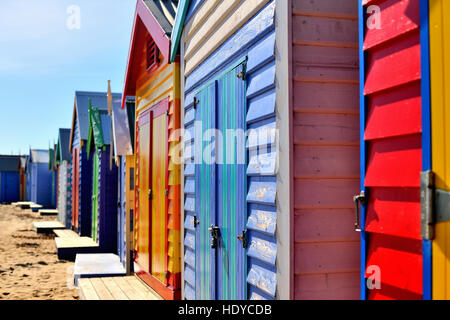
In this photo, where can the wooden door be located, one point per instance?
(221, 189)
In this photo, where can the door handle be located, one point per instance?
(243, 238)
(359, 199)
(215, 234)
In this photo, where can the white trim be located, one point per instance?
(283, 234)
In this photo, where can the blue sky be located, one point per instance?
(43, 62)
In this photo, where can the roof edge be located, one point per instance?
(180, 19)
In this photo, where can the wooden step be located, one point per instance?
(65, 233)
(68, 247)
(115, 288)
(47, 226)
(48, 212)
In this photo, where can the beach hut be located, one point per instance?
(123, 141)
(39, 178)
(64, 163)
(9, 179)
(104, 180)
(271, 148)
(81, 165)
(154, 81)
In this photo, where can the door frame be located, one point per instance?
(363, 146)
(426, 134)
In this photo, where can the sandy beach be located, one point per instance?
(29, 266)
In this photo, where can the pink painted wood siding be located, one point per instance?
(326, 148)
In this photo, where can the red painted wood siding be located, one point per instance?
(394, 159)
(326, 148)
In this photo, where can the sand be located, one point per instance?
(29, 266)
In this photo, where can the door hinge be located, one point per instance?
(427, 204)
(196, 102)
(359, 199)
(196, 222)
(167, 113)
(166, 192)
(244, 239)
(242, 73)
(150, 194)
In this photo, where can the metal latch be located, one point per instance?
(215, 234)
(243, 238)
(359, 199)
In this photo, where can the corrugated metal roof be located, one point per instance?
(63, 144)
(99, 100)
(39, 156)
(121, 131)
(9, 163)
(164, 11)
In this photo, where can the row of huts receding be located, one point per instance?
(326, 112)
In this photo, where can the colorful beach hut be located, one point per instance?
(268, 209)
(39, 178)
(9, 179)
(104, 180)
(154, 81)
(81, 166)
(64, 164)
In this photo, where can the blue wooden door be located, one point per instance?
(10, 191)
(220, 189)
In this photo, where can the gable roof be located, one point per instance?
(158, 18)
(9, 163)
(62, 148)
(121, 131)
(81, 110)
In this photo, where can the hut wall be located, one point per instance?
(325, 119)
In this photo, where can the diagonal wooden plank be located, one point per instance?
(145, 290)
(86, 290)
(131, 292)
(102, 292)
(115, 290)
